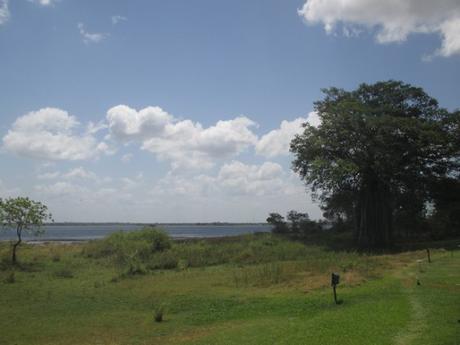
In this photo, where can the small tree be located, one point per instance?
(22, 214)
(277, 220)
(297, 219)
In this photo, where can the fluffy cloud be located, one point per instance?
(184, 143)
(242, 179)
(44, 2)
(188, 144)
(49, 133)
(4, 12)
(127, 124)
(235, 192)
(276, 142)
(93, 128)
(451, 33)
(90, 37)
(233, 179)
(80, 185)
(394, 20)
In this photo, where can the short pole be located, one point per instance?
(335, 280)
(428, 254)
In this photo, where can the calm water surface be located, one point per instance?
(89, 232)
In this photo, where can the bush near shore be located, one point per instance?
(151, 249)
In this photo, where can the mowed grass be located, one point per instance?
(63, 296)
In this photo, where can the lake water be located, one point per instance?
(90, 231)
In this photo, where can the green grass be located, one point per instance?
(257, 290)
(436, 302)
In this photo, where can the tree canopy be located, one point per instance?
(298, 224)
(379, 148)
(22, 214)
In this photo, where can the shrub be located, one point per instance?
(164, 260)
(158, 240)
(131, 251)
(134, 268)
(142, 243)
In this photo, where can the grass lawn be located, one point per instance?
(61, 296)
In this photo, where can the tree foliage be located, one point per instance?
(298, 224)
(278, 222)
(22, 215)
(445, 196)
(297, 220)
(379, 147)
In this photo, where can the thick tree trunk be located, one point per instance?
(376, 218)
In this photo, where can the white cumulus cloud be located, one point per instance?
(50, 134)
(277, 141)
(127, 124)
(393, 20)
(184, 143)
(233, 179)
(239, 178)
(4, 12)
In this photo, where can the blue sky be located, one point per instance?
(173, 110)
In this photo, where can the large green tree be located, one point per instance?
(381, 145)
(22, 215)
(445, 197)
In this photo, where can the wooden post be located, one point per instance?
(428, 255)
(335, 279)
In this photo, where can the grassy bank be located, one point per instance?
(255, 289)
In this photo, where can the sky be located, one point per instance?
(182, 111)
